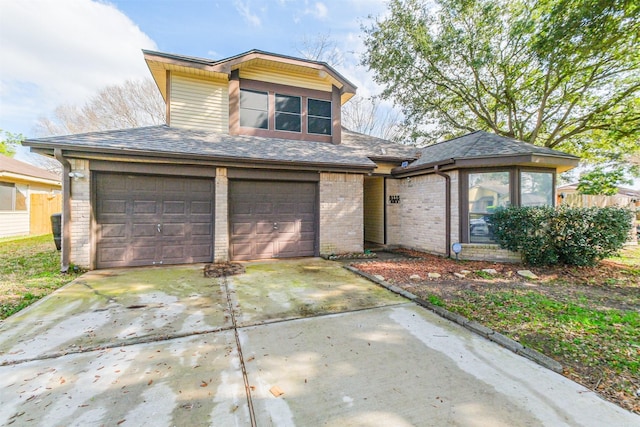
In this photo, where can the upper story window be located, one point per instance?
(254, 109)
(13, 197)
(288, 113)
(319, 116)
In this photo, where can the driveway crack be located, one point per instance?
(245, 377)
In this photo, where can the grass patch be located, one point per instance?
(29, 270)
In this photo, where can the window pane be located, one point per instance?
(254, 109)
(288, 104)
(536, 189)
(318, 125)
(254, 100)
(319, 108)
(254, 119)
(288, 122)
(21, 197)
(487, 192)
(6, 196)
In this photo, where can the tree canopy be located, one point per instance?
(563, 74)
(8, 143)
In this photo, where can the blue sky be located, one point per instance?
(64, 51)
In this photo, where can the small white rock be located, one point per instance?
(415, 277)
(434, 275)
(459, 275)
(379, 277)
(491, 271)
(465, 272)
(527, 274)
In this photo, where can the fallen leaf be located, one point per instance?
(276, 391)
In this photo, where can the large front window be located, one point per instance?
(536, 188)
(488, 190)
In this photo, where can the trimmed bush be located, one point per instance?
(573, 236)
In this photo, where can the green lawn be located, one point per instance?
(29, 270)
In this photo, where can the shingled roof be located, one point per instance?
(15, 169)
(480, 145)
(183, 144)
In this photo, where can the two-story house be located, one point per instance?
(254, 163)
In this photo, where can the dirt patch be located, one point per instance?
(497, 296)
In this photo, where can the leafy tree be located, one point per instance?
(133, 103)
(8, 143)
(599, 181)
(563, 74)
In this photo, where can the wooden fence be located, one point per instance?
(42, 207)
(586, 201)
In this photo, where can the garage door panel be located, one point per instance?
(143, 184)
(242, 229)
(291, 206)
(264, 228)
(199, 207)
(143, 254)
(130, 208)
(114, 255)
(263, 208)
(113, 231)
(201, 229)
(174, 230)
(113, 207)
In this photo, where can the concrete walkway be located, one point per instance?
(301, 342)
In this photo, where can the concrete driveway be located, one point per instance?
(297, 342)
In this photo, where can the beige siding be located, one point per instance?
(374, 209)
(14, 223)
(199, 104)
(285, 78)
(341, 210)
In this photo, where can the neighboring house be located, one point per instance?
(254, 163)
(28, 196)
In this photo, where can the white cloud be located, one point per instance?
(62, 52)
(245, 11)
(319, 11)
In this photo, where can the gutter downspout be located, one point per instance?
(66, 209)
(447, 204)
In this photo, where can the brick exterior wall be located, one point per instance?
(487, 252)
(80, 215)
(341, 213)
(221, 217)
(418, 221)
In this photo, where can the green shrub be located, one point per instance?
(573, 236)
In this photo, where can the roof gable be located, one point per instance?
(480, 146)
(160, 62)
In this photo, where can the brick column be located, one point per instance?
(221, 217)
(80, 229)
